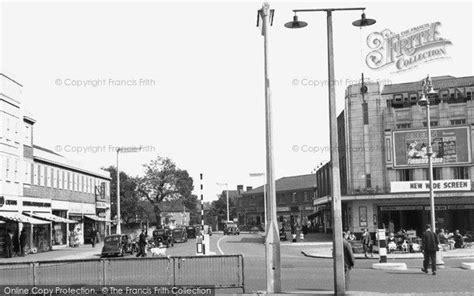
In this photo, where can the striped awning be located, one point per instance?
(51, 217)
(17, 217)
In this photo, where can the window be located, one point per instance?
(368, 181)
(398, 98)
(41, 175)
(27, 179)
(403, 125)
(60, 179)
(69, 181)
(469, 95)
(305, 196)
(365, 110)
(15, 178)
(406, 175)
(36, 170)
(432, 123)
(413, 97)
(27, 135)
(7, 171)
(293, 197)
(436, 174)
(461, 173)
(457, 121)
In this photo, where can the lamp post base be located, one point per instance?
(439, 259)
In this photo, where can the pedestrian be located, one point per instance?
(142, 244)
(429, 247)
(458, 239)
(367, 243)
(93, 236)
(8, 239)
(349, 261)
(23, 238)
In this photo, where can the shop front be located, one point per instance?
(103, 225)
(78, 212)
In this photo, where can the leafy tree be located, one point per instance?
(219, 208)
(164, 181)
(130, 208)
(191, 203)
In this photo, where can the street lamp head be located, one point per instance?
(423, 101)
(296, 24)
(363, 22)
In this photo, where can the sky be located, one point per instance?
(185, 80)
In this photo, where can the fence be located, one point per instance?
(220, 271)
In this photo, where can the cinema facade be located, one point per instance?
(383, 162)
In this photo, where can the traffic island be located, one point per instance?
(389, 266)
(467, 265)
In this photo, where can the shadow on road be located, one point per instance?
(248, 240)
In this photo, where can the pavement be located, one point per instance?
(63, 253)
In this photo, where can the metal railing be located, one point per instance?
(220, 271)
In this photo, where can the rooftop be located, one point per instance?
(289, 183)
(439, 82)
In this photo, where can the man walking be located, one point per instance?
(8, 243)
(93, 236)
(348, 261)
(23, 238)
(142, 244)
(367, 243)
(429, 246)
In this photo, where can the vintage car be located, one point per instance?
(199, 229)
(164, 236)
(117, 245)
(191, 231)
(180, 235)
(231, 228)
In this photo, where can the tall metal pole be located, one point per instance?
(119, 229)
(227, 197)
(338, 258)
(272, 240)
(430, 166)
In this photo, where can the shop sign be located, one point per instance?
(450, 146)
(283, 209)
(2, 201)
(401, 208)
(101, 205)
(437, 208)
(101, 214)
(460, 207)
(424, 186)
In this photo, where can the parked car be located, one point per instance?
(207, 229)
(117, 245)
(231, 228)
(180, 235)
(164, 236)
(191, 231)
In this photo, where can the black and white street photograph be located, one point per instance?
(230, 147)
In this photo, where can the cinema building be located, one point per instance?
(42, 192)
(383, 162)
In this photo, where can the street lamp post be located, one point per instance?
(123, 150)
(338, 258)
(272, 238)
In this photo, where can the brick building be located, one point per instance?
(384, 167)
(294, 197)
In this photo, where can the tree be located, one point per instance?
(130, 207)
(191, 203)
(164, 181)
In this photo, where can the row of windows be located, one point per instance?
(10, 173)
(432, 123)
(281, 198)
(445, 94)
(48, 176)
(457, 173)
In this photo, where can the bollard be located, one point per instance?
(382, 245)
(199, 246)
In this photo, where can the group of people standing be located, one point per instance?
(14, 244)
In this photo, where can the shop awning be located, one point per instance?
(17, 217)
(51, 217)
(97, 218)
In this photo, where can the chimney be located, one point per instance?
(240, 188)
(248, 188)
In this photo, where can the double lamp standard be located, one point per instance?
(338, 258)
(272, 240)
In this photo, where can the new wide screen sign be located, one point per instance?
(424, 186)
(450, 146)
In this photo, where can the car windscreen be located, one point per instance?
(112, 239)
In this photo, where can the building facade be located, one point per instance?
(386, 166)
(42, 192)
(294, 196)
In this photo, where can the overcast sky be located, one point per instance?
(195, 75)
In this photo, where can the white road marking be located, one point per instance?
(219, 247)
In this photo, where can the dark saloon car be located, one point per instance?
(191, 231)
(231, 228)
(180, 235)
(117, 245)
(164, 236)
